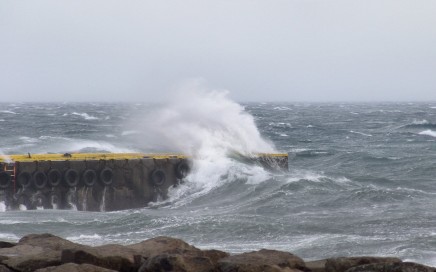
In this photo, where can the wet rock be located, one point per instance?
(35, 251)
(31, 262)
(118, 259)
(316, 266)
(160, 245)
(47, 241)
(71, 267)
(149, 253)
(392, 267)
(262, 260)
(4, 269)
(20, 250)
(342, 264)
(215, 255)
(7, 244)
(169, 254)
(194, 260)
(177, 263)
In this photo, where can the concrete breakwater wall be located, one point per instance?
(98, 182)
(49, 253)
(89, 182)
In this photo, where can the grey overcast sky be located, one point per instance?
(269, 50)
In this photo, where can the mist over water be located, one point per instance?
(201, 123)
(361, 179)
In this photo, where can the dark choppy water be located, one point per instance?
(362, 177)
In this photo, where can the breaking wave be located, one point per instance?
(85, 116)
(211, 128)
(421, 124)
(428, 133)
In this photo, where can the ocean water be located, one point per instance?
(361, 179)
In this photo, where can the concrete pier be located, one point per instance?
(98, 181)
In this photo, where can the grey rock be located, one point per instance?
(392, 267)
(342, 264)
(28, 263)
(316, 266)
(48, 241)
(188, 261)
(161, 244)
(6, 244)
(4, 268)
(71, 267)
(262, 260)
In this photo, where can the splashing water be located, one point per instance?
(5, 157)
(210, 127)
(103, 200)
(72, 198)
(2, 206)
(85, 199)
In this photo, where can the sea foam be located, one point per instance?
(428, 132)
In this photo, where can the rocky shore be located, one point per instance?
(49, 253)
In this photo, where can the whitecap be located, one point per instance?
(8, 111)
(280, 124)
(28, 139)
(84, 145)
(129, 132)
(428, 132)
(361, 133)
(85, 116)
(82, 237)
(282, 108)
(420, 122)
(8, 237)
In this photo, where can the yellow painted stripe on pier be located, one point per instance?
(103, 156)
(85, 157)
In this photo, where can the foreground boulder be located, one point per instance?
(342, 264)
(35, 251)
(392, 267)
(262, 260)
(71, 267)
(49, 253)
(169, 254)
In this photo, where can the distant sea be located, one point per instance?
(361, 180)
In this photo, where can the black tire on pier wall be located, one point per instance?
(72, 177)
(24, 179)
(157, 177)
(54, 177)
(39, 179)
(89, 177)
(182, 169)
(5, 180)
(106, 176)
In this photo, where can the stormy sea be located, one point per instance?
(361, 179)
